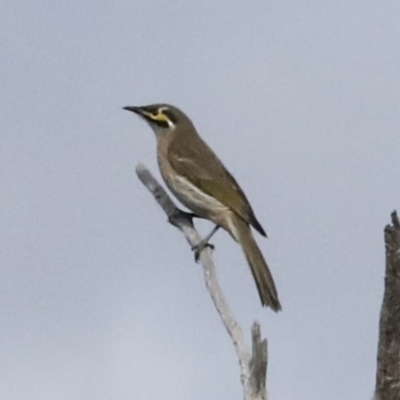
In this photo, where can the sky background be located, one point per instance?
(99, 297)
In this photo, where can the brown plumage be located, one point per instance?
(201, 182)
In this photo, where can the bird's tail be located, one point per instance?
(259, 268)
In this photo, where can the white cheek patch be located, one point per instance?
(171, 125)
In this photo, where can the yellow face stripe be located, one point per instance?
(157, 117)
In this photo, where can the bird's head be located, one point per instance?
(163, 118)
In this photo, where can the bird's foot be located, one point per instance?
(204, 243)
(199, 247)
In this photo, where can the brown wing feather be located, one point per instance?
(199, 164)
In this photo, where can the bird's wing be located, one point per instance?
(199, 164)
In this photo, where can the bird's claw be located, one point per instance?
(199, 247)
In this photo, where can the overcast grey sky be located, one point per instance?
(99, 297)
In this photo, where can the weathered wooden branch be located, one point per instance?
(253, 364)
(388, 361)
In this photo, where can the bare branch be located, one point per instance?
(258, 363)
(388, 362)
(253, 366)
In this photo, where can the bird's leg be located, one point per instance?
(204, 243)
(176, 219)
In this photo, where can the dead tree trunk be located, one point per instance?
(388, 362)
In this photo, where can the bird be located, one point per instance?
(200, 181)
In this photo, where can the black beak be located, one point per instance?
(136, 110)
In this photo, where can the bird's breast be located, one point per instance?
(189, 194)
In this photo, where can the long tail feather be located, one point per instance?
(259, 268)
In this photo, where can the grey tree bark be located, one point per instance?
(388, 360)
